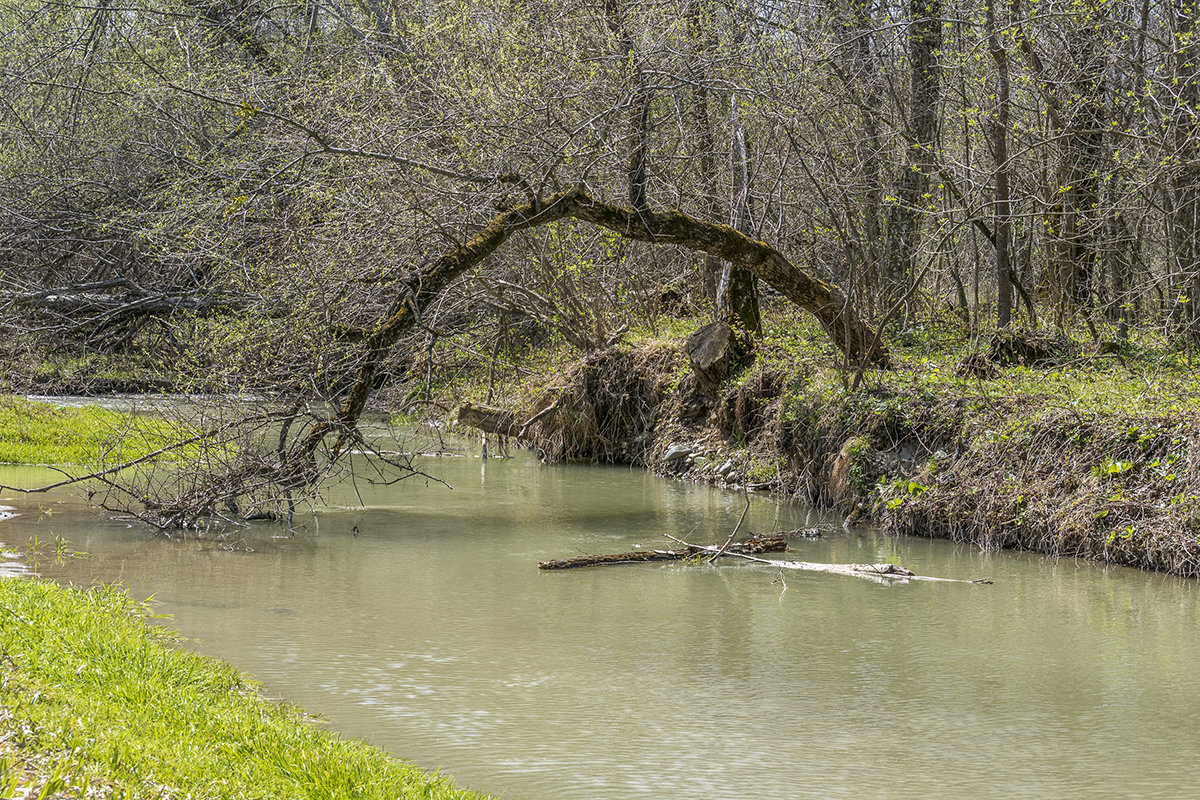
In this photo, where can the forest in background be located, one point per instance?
(246, 184)
(308, 202)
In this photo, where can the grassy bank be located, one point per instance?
(95, 700)
(1068, 446)
(34, 432)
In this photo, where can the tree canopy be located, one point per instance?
(284, 197)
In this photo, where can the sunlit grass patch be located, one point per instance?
(35, 432)
(94, 695)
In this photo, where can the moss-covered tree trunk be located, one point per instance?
(823, 300)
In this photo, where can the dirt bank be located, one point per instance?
(1061, 456)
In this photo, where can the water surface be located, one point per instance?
(420, 623)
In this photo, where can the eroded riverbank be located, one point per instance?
(1071, 454)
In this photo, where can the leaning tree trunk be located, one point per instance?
(824, 301)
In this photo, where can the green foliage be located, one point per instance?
(895, 492)
(765, 468)
(99, 697)
(1110, 467)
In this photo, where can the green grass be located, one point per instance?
(33, 432)
(92, 694)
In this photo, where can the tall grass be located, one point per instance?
(93, 695)
(34, 432)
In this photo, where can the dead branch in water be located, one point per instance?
(721, 551)
(880, 573)
(761, 544)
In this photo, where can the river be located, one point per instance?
(417, 620)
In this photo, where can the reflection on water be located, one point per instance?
(421, 623)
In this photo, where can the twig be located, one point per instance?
(545, 412)
(736, 528)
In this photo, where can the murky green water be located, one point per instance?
(421, 623)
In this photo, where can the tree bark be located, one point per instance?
(998, 129)
(703, 41)
(862, 81)
(1185, 180)
(639, 108)
(904, 222)
(1074, 100)
(737, 295)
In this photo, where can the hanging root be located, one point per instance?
(606, 409)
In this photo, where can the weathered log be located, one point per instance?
(127, 305)
(759, 544)
(879, 573)
(488, 419)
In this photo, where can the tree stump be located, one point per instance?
(710, 350)
(488, 419)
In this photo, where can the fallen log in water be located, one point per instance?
(759, 544)
(879, 573)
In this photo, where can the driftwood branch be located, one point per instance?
(761, 544)
(881, 573)
(206, 435)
